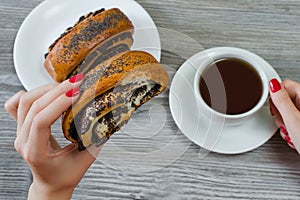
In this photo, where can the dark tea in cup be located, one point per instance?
(231, 86)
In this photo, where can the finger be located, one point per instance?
(282, 135)
(27, 99)
(25, 103)
(293, 89)
(283, 132)
(289, 142)
(283, 102)
(12, 104)
(86, 158)
(51, 95)
(40, 127)
(48, 98)
(291, 145)
(273, 109)
(61, 89)
(286, 137)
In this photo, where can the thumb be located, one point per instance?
(282, 101)
(85, 158)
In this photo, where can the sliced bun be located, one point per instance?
(98, 34)
(111, 92)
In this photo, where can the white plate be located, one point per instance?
(52, 17)
(205, 132)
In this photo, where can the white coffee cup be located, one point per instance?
(215, 54)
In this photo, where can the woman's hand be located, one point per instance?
(56, 171)
(285, 106)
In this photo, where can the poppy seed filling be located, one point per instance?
(108, 112)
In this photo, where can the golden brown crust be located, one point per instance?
(125, 67)
(70, 50)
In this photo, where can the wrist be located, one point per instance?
(38, 191)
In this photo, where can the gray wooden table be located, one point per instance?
(129, 167)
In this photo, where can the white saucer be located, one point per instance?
(206, 132)
(52, 17)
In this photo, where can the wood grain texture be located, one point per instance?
(150, 158)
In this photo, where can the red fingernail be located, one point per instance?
(288, 139)
(292, 144)
(73, 92)
(283, 130)
(275, 86)
(76, 78)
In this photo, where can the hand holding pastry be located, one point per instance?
(56, 171)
